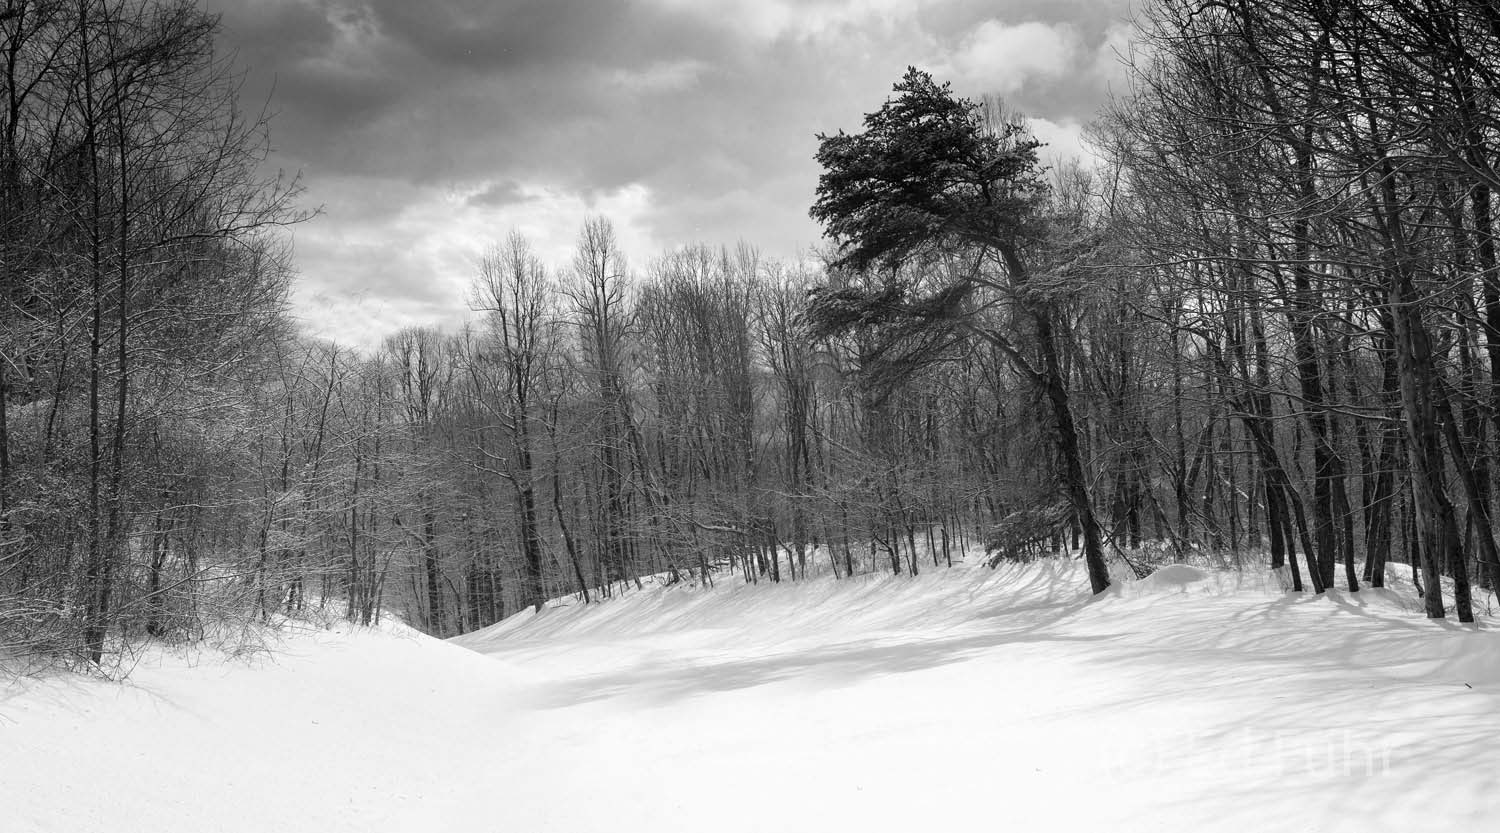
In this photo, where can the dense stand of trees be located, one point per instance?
(1310, 183)
(136, 292)
(1266, 324)
(1269, 316)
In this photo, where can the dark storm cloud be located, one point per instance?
(593, 95)
(451, 88)
(275, 32)
(506, 192)
(698, 116)
(485, 36)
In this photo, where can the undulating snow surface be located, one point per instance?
(967, 699)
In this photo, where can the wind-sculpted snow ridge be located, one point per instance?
(969, 595)
(934, 600)
(965, 699)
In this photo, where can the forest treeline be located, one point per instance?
(1264, 323)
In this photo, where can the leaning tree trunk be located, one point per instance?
(1068, 449)
(1437, 528)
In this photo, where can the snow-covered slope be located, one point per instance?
(962, 699)
(338, 730)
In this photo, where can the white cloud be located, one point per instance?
(659, 77)
(1063, 142)
(415, 268)
(768, 20)
(1003, 58)
(1109, 60)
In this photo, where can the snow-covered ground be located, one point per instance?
(967, 699)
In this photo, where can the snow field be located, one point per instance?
(959, 699)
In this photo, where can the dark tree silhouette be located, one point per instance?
(949, 209)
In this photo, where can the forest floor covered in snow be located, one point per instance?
(960, 699)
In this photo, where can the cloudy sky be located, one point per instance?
(426, 129)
